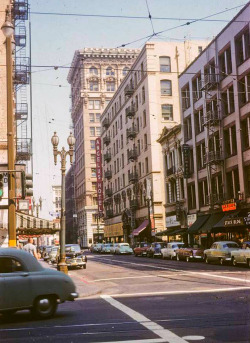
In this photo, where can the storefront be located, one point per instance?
(114, 233)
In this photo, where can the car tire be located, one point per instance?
(44, 307)
(234, 262)
(221, 262)
(177, 257)
(206, 259)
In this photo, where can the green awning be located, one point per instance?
(200, 221)
(213, 220)
(220, 223)
(176, 232)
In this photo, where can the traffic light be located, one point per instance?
(26, 184)
(1, 186)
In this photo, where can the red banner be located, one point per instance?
(98, 147)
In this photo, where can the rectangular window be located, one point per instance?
(203, 193)
(98, 131)
(110, 86)
(242, 47)
(93, 158)
(145, 141)
(91, 117)
(198, 121)
(244, 90)
(227, 99)
(94, 188)
(93, 86)
(187, 129)
(98, 117)
(92, 144)
(191, 196)
(165, 64)
(146, 165)
(166, 87)
(144, 118)
(94, 104)
(93, 172)
(245, 133)
(167, 112)
(196, 85)
(92, 131)
(247, 180)
(121, 141)
(225, 63)
(185, 97)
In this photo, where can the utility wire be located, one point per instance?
(150, 18)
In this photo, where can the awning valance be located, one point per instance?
(213, 220)
(200, 221)
(140, 228)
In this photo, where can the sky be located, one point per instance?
(55, 38)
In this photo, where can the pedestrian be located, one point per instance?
(31, 248)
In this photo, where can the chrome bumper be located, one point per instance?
(73, 296)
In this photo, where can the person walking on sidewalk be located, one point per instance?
(31, 248)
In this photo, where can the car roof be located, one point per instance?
(29, 260)
(225, 242)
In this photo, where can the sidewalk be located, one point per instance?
(84, 286)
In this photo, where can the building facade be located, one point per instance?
(94, 76)
(146, 101)
(216, 131)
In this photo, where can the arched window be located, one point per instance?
(94, 86)
(125, 71)
(93, 71)
(110, 71)
(165, 64)
(166, 87)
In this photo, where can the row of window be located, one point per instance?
(109, 71)
(94, 86)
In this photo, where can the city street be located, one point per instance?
(133, 299)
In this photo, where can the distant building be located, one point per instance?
(56, 200)
(71, 216)
(146, 101)
(94, 76)
(215, 101)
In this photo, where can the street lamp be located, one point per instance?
(37, 206)
(63, 153)
(8, 31)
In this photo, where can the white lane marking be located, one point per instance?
(125, 277)
(193, 338)
(182, 270)
(152, 326)
(154, 340)
(214, 290)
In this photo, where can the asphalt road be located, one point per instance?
(132, 299)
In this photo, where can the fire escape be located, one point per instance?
(214, 157)
(21, 80)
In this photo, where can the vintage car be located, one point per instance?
(106, 248)
(46, 251)
(53, 255)
(123, 248)
(155, 249)
(170, 250)
(98, 247)
(74, 256)
(112, 249)
(190, 253)
(241, 255)
(141, 249)
(220, 252)
(25, 284)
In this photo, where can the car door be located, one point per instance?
(17, 287)
(212, 252)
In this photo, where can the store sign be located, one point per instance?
(172, 221)
(98, 146)
(247, 219)
(191, 218)
(229, 205)
(186, 161)
(234, 221)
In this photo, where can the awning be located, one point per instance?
(140, 228)
(213, 220)
(176, 232)
(200, 221)
(220, 223)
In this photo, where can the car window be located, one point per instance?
(230, 245)
(10, 265)
(213, 246)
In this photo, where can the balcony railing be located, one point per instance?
(211, 117)
(23, 151)
(107, 156)
(22, 71)
(132, 154)
(170, 171)
(106, 140)
(133, 204)
(130, 111)
(21, 112)
(132, 132)
(108, 192)
(213, 157)
(106, 123)
(108, 174)
(129, 90)
(109, 213)
(133, 177)
(210, 81)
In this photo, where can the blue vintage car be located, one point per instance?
(25, 284)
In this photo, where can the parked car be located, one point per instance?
(25, 284)
(170, 250)
(74, 256)
(92, 247)
(155, 249)
(190, 253)
(106, 248)
(46, 251)
(123, 248)
(220, 252)
(53, 255)
(98, 247)
(141, 249)
(112, 249)
(241, 255)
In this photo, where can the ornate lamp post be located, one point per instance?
(37, 206)
(63, 153)
(8, 31)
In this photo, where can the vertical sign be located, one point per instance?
(186, 160)
(98, 147)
